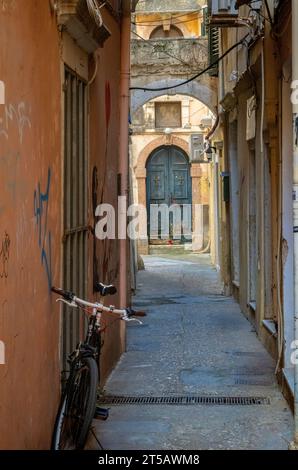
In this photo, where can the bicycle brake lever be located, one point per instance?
(133, 319)
(70, 304)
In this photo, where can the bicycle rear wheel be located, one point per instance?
(77, 407)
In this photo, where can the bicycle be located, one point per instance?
(77, 406)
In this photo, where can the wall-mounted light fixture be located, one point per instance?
(209, 151)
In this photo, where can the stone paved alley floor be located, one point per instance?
(194, 341)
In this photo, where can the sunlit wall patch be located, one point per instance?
(2, 92)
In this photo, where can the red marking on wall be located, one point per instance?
(108, 103)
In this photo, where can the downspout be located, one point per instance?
(123, 165)
(213, 129)
(215, 195)
(294, 444)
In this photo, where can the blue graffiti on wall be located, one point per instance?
(41, 202)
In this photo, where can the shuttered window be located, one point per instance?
(213, 46)
(75, 208)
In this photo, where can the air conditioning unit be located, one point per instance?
(223, 8)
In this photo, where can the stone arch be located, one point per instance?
(147, 30)
(197, 90)
(140, 169)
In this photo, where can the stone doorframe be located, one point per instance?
(199, 176)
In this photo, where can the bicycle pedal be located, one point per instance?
(101, 413)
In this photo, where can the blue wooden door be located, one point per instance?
(168, 183)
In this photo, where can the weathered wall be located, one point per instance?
(30, 221)
(258, 218)
(167, 5)
(104, 147)
(190, 24)
(31, 163)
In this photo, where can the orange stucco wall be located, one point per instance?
(104, 148)
(31, 165)
(29, 160)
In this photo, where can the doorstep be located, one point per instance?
(288, 374)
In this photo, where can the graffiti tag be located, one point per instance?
(41, 202)
(4, 256)
(17, 115)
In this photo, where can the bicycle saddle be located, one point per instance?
(104, 290)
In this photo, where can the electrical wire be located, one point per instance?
(94, 11)
(185, 82)
(160, 24)
(279, 35)
(95, 70)
(173, 23)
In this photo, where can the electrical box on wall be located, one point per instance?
(197, 148)
(225, 186)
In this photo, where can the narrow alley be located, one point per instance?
(149, 162)
(194, 342)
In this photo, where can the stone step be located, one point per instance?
(169, 249)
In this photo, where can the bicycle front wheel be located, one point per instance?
(77, 407)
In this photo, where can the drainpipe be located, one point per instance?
(215, 195)
(123, 165)
(294, 444)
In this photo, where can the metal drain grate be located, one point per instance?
(256, 382)
(183, 400)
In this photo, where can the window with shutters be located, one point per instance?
(204, 27)
(75, 230)
(213, 47)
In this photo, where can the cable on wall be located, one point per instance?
(94, 11)
(215, 62)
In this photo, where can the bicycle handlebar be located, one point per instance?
(72, 301)
(67, 295)
(134, 313)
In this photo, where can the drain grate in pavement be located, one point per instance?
(256, 382)
(183, 400)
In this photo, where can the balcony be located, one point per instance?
(74, 18)
(175, 56)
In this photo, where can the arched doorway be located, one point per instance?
(168, 183)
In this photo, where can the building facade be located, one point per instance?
(169, 125)
(254, 148)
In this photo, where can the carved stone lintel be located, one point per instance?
(169, 139)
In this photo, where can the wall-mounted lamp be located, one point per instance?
(209, 150)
